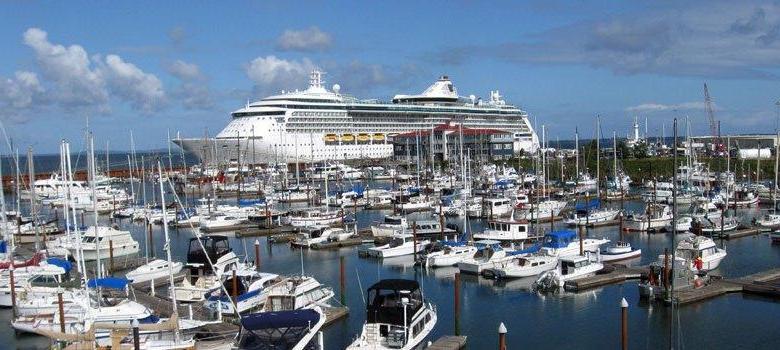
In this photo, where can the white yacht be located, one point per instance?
(397, 317)
(566, 243)
(522, 266)
(496, 207)
(447, 253)
(390, 225)
(569, 269)
(543, 210)
(401, 244)
(103, 239)
(506, 231)
(157, 268)
(591, 213)
(317, 124)
(488, 253)
(289, 329)
(296, 293)
(694, 247)
(316, 217)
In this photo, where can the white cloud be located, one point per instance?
(128, 82)
(184, 70)
(309, 39)
(81, 81)
(68, 69)
(271, 72)
(193, 90)
(21, 93)
(659, 107)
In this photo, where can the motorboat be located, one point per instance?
(389, 226)
(222, 221)
(154, 269)
(103, 239)
(717, 226)
(447, 253)
(321, 234)
(544, 210)
(591, 213)
(522, 266)
(289, 329)
(506, 231)
(496, 207)
(397, 317)
(655, 217)
(488, 252)
(768, 222)
(569, 268)
(315, 217)
(619, 251)
(401, 244)
(251, 291)
(418, 203)
(683, 224)
(566, 243)
(296, 293)
(693, 247)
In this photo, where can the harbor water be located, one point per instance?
(589, 319)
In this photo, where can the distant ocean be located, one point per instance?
(46, 163)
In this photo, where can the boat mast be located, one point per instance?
(614, 161)
(598, 154)
(167, 247)
(774, 185)
(576, 155)
(674, 239)
(31, 180)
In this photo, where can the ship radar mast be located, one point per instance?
(315, 79)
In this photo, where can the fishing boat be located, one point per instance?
(569, 268)
(417, 203)
(496, 207)
(401, 244)
(693, 247)
(296, 293)
(768, 222)
(619, 251)
(315, 217)
(715, 226)
(507, 231)
(655, 217)
(683, 224)
(522, 266)
(397, 317)
(222, 221)
(566, 243)
(311, 236)
(591, 213)
(544, 210)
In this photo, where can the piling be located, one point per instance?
(235, 286)
(501, 336)
(149, 239)
(61, 309)
(666, 269)
(111, 256)
(257, 254)
(582, 248)
(456, 303)
(342, 281)
(136, 337)
(13, 288)
(414, 238)
(624, 324)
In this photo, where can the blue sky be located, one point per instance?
(151, 66)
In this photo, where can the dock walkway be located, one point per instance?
(448, 342)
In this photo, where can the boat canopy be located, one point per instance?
(559, 239)
(250, 202)
(530, 250)
(3, 247)
(593, 204)
(280, 319)
(108, 282)
(64, 264)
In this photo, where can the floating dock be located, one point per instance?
(449, 342)
(745, 232)
(618, 274)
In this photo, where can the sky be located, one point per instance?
(151, 68)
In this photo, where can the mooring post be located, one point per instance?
(665, 277)
(501, 336)
(136, 337)
(257, 254)
(235, 286)
(624, 324)
(414, 238)
(61, 309)
(342, 280)
(582, 247)
(456, 303)
(111, 256)
(13, 288)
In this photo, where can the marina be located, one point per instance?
(348, 176)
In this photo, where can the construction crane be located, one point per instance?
(714, 125)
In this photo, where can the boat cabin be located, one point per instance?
(387, 300)
(570, 265)
(214, 246)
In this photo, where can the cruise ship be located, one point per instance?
(319, 124)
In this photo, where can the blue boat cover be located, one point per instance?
(250, 202)
(3, 247)
(559, 239)
(593, 204)
(358, 189)
(61, 263)
(151, 319)
(280, 319)
(532, 249)
(108, 282)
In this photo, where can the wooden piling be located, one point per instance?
(61, 309)
(13, 288)
(624, 324)
(342, 281)
(111, 257)
(501, 336)
(582, 247)
(665, 277)
(136, 337)
(414, 238)
(235, 286)
(456, 303)
(257, 254)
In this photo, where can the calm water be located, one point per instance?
(584, 320)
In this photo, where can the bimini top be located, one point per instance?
(108, 282)
(593, 204)
(559, 239)
(280, 319)
(396, 284)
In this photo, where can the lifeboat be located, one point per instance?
(379, 137)
(347, 138)
(331, 138)
(363, 138)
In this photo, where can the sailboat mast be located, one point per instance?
(31, 181)
(674, 239)
(576, 154)
(167, 247)
(614, 161)
(598, 156)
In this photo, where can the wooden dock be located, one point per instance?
(350, 242)
(618, 274)
(745, 232)
(334, 313)
(260, 232)
(715, 288)
(448, 342)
